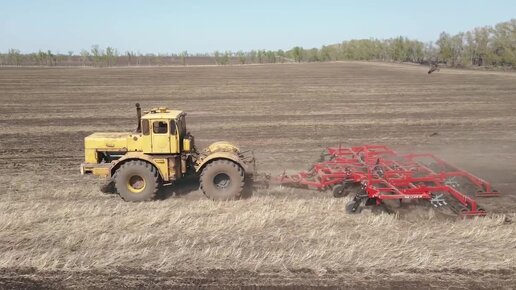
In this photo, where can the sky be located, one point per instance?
(156, 26)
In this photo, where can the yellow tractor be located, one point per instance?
(160, 152)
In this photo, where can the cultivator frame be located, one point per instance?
(383, 175)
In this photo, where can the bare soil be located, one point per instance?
(52, 217)
(229, 279)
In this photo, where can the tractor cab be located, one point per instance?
(163, 131)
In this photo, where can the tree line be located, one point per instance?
(483, 46)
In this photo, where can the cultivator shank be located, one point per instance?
(377, 174)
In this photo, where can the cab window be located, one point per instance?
(159, 127)
(172, 127)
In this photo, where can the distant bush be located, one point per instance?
(487, 46)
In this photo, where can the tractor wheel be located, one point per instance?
(222, 180)
(136, 181)
(108, 187)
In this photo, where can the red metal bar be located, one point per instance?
(389, 175)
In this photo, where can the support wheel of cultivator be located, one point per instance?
(137, 181)
(342, 190)
(353, 207)
(222, 180)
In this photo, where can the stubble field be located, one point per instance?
(58, 230)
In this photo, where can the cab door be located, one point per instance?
(160, 136)
(174, 137)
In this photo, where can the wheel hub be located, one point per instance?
(136, 183)
(222, 181)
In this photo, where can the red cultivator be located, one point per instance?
(377, 174)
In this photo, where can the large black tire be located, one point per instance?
(108, 187)
(137, 181)
(222, 180)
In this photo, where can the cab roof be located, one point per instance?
(162, 113)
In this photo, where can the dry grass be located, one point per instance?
(266, 233)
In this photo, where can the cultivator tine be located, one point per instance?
(386, 175)
(438, 200)
(452, 182)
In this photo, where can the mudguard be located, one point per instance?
(226, 150)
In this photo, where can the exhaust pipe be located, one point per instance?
(139, 117)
